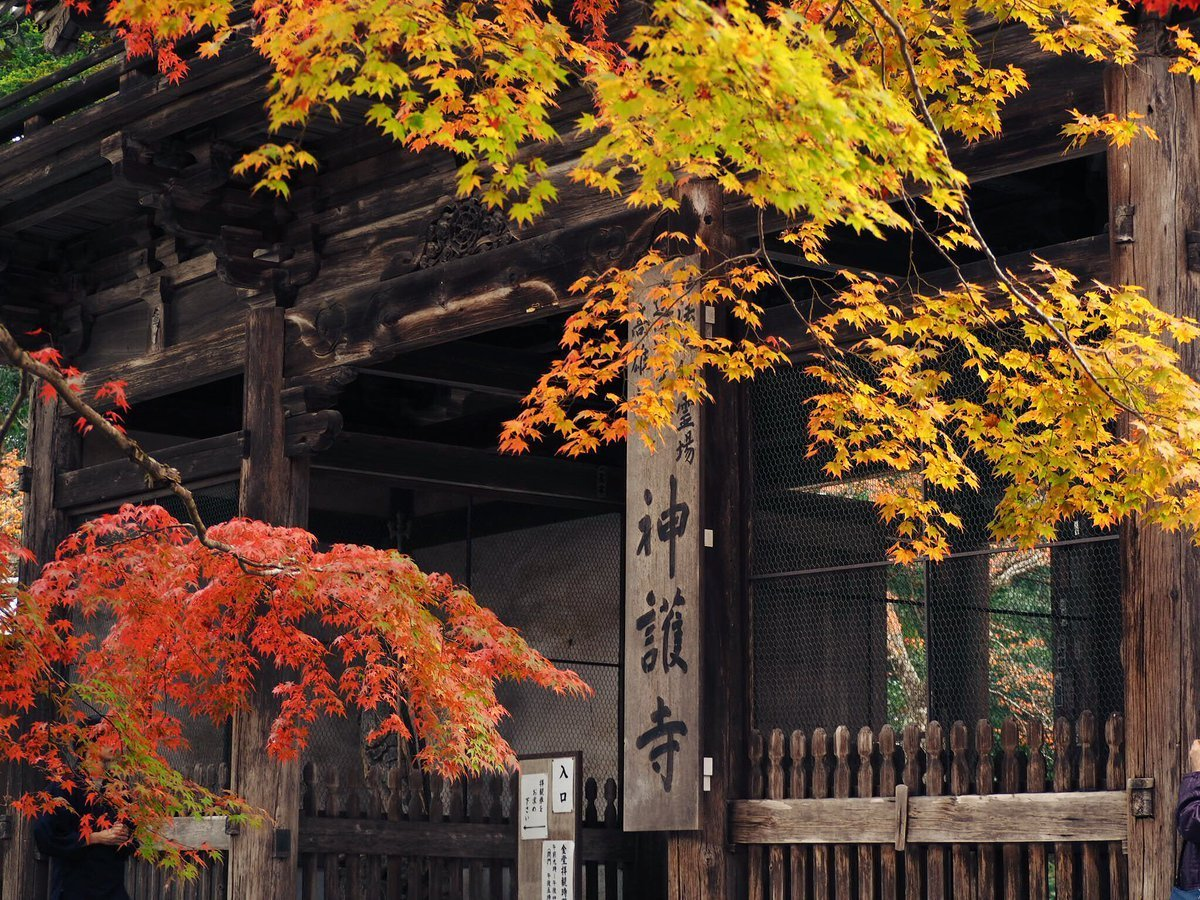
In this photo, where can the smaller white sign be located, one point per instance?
(564, 785)
(558, 870)
(533, 806)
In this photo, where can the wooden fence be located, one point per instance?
(929, 814)
(410, 835)
(419, 837)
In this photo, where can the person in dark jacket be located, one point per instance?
(91, 867)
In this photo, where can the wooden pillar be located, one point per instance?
(53, 446)
(274, 488)
(701, 865)
(1154, 200)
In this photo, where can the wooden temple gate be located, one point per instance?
(247, 328)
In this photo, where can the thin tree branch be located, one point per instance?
(11, 418)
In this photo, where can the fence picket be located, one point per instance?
(820, 790)
(1114, 780)
(1010, 783)
(798, 789)
(611, 821)
(757, 790)
(1064, 854)
(1089, 781)
(1035, 782)
(330, 860)
(912, 780)
(866, 788)
(887, 788)
(842, 854)
(776, 882)
(935, 857)
(962, 882)
(394, 813)
(984, 780)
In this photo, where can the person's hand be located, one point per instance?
(1194, 756)
(119, 834)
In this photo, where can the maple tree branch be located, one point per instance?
(158, 472)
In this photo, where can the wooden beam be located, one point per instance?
(263, 861)
(454, 840)
(120, 479)
(992, 819)
(466, 366)
(1154, 203)
(1087, 258)
(403, 462)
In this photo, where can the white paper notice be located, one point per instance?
(558, 869)
(533, 806)
(564, 785)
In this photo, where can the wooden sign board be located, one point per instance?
(662, 625)
(547, 815)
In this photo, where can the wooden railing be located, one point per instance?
(904, 815)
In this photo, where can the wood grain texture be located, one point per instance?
(273, 489)
(994, 819)
(1157, 184)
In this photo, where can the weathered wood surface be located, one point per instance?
(664, 612)
(263, 861)
(120, 480)
(1154, 199)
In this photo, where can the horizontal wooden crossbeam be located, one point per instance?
(404, 462)
(450, 840)
(992, 819)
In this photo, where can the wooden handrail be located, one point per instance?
(995, 818)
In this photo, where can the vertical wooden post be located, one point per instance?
(1154, 202)
(53, 446)
(700, 865)
(274, 488)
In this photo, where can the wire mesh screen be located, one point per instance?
(843, 636)
(559, 582)
(207, 742)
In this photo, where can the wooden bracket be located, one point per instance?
(901, 817)
(1141, 797)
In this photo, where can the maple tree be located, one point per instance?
(156, 620)
(825, 112)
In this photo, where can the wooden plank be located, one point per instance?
(993, 819)
(888, 882)
(120, 479)
(663, 663)
(415, 463)
(1010, 782)
(935, 785)
(1035, 782)
(963, 885)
